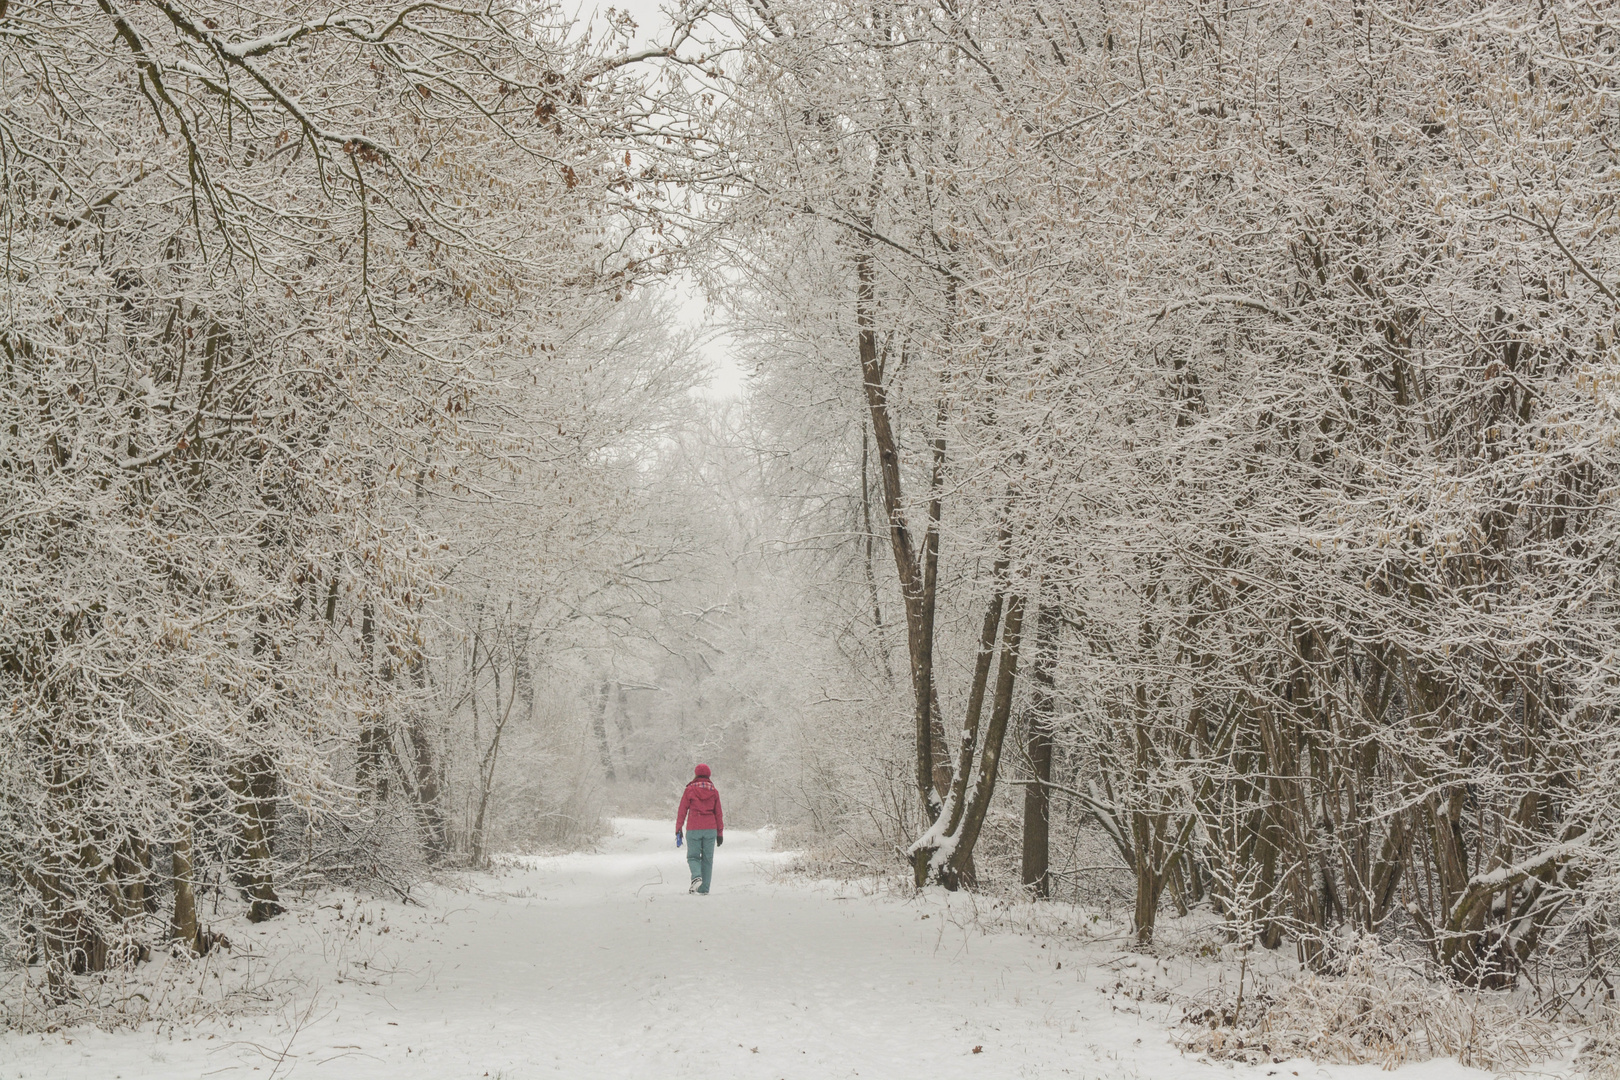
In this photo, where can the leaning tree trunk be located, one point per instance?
(916, 570)
(983, 660)
(990, 759)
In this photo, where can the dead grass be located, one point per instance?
(1383, 1009)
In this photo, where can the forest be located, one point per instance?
(1168, 465)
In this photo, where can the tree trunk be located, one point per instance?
(1036, 871)
(183, 920)
(427, 790)
(990, 759)
(869, 544)
(1268, 843)
(370, 774)
(599, 726)
(1149, 881)
(938, 743)
(623, 725)
(253, 782)
(918, 601)
(67, 944)
(486, 774)
(975, 707)
(431, 815)
(1147, 828)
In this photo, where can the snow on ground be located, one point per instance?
(600, 965)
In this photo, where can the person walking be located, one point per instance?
(704, 825)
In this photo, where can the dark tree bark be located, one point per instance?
(183, 919)
(1036, 863)
(916, 582)
(869, 544)
(253, 783)
(370, 775)
(990, 760)
(426, 773)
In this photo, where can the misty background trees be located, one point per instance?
(1175, 463)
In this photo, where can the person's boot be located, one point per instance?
(692, 888)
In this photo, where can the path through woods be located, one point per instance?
(600, 965)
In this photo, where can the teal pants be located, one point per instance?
(700, 855)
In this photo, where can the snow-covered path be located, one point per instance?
(600, 965)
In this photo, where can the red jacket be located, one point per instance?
(702, 802)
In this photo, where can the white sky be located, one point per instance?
(728, 379)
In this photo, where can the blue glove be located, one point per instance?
(677, 838)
